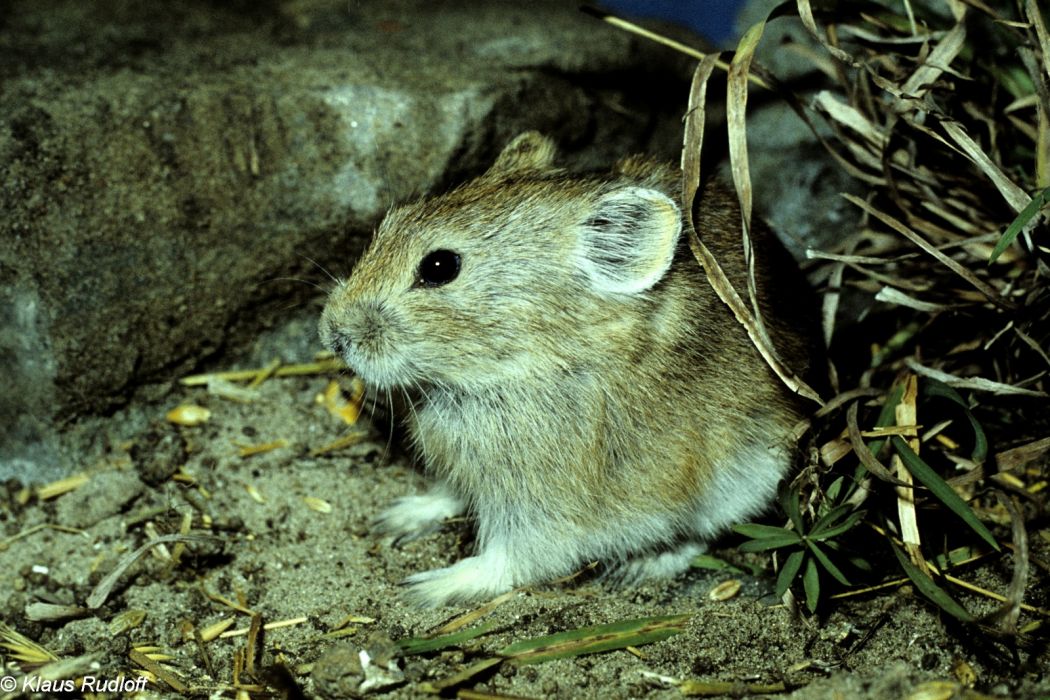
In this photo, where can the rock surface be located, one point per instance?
(170, 167)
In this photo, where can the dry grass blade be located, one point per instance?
(983, 287)
(695, 117)
(975, 383)
(325, 366)
(159, 671)
(101, 591)
(678, 46)
(68, 668)
(476, 614)
(466, 694)
(805, 13)
(851, 118)
(695, 688)
(275, 625)
(43, 612)
(693, 143)
(862, 451)
(440, 686)
(1011, 611)
(890, 295)
(937, 62)
(62, 486)
(736, 125)
(1013, 194)
(1031, 9)
(829, 306)
(1016, 458)
(906, 414)
(22, 648)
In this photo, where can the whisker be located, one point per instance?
(301, 281)
(390, 432)
(320, 267)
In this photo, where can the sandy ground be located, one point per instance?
(296, 546)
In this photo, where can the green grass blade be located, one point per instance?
(422, 645)
(811, 583)
(591, 640)
(828, 565)
(789, 571)
(944, 493)
(1026, 215)
(934, 387)
(931, 590)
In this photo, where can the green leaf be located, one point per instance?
(789, 571)
(848, 524)
(590, 640)
(833, 491)
(422, 645)
(706, 561)
(764, 545)
(1014, 78)
(949, 559)
(1026, 215)
(931, 590)
(860, 563)
(811, 583)
(934, 387)
(758, 531)
(766, 537)
(944, 493)
(789, 502)
(827, 563)
(829, 518)
(895, 343)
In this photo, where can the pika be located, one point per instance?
(572, 380)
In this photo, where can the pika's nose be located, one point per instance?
(338, 341)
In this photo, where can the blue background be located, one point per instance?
(712, 19)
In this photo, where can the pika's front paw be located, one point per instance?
(473, 578)
(413, 516)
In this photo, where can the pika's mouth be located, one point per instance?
(386, 370)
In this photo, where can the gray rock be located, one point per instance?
(170, 168)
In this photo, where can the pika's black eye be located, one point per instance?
(438, 267)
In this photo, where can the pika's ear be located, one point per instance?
(527, 152)
(627, 243)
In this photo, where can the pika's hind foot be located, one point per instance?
(655, 565)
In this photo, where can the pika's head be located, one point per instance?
(513, 274)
